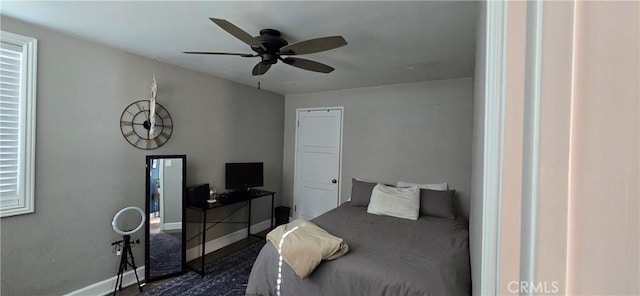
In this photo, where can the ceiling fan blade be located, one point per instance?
(237, 32)
(308, 65)
(313, 45)
(260, 68)
(244, 55)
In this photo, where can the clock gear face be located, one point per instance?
(135, 125)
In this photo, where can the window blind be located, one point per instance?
(12, 124)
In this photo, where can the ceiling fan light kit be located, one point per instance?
(270, 47)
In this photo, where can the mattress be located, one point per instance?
(387, 256)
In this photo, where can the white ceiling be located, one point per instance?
(388, 42)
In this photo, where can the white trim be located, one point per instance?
(531, 143)
(340, 157)
(572, 155)
(106, 287)
(226, 240)
(295, 154)
(172, 226)
(161, 191)
(30, 65)
(294, 208)
(493, 145)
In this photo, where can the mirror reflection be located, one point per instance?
(165, 255)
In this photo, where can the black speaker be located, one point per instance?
(282, 215)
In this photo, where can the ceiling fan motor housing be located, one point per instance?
(272, 41)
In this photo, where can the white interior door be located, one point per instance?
(317, 166)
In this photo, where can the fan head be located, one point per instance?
(270, 47)
(272, 41)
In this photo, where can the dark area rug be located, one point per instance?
(226, 276)
(165, 256)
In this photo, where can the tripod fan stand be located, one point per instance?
(126, 258)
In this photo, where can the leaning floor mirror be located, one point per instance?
(165, 254)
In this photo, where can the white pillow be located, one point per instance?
(397, 202)
(439, 187)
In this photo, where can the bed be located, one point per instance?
(387, 256)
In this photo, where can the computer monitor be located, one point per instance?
(244, 175)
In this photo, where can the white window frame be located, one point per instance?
(26, 163)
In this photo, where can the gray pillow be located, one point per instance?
(361, 192)
(437, 203)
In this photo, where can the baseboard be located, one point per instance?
(226, 240)
(106, 287)
(173, 226)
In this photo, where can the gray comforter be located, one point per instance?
(387, 256)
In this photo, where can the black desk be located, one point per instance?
(226, 199)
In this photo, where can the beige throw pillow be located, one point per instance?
(396, 202)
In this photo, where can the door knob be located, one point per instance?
(334, 181)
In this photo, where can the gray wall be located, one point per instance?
(172, 190)
(477, 162)
(86, 171)
(417, 132)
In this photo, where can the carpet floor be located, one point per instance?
(164, 254)
(225, 276)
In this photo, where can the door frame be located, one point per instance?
(295, 154)
(493, 129)
(161, 190)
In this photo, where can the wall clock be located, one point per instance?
(145, 124)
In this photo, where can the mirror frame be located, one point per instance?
(149, 159)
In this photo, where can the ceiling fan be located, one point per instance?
(270, 47)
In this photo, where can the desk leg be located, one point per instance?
(249, 226)
(204, 242)
(272, 210)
